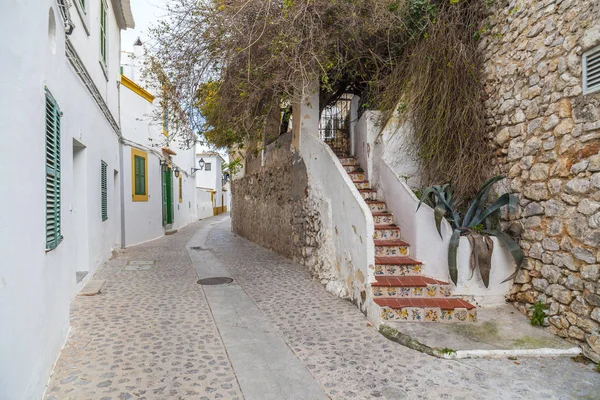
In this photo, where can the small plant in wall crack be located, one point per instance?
(539, 315)
(473, 225)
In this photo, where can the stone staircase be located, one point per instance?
(401, 289)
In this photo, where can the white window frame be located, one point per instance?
(104, 58)
(584, 57)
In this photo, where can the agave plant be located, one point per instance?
(475, 225)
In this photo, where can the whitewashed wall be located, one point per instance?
(144, 219)
(211, 179)
(393, 171)
(36, 286)
(204, 207)
(349, 228)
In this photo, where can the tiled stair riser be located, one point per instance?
(369, 194)
(357, 176)
(412, 303)
(398, 270)
(377, 207)
(387, 234)
(391, 251)
(418, 314)
(427, 291)
(383, 219)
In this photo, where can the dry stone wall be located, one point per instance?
(272, 206)
(547, 135)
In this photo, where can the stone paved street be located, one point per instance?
(152, 335)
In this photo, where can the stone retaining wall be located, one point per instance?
(271, 206)
(547, 135)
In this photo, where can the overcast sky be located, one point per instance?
(145, 14)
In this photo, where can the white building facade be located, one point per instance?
(211, 178)
(159, 190)
(73, 128)
(60, 107)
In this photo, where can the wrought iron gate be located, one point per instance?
(334, 126)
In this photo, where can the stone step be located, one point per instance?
(391, 248)
(426, 309)
(376, 206)
(348, 160)
(409, 286)
(352, 168)
(357, 176)
(386, 231)
(397, 266)
(362, 184)
(368, 194)
(381, 218)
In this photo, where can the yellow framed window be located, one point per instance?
(139, 175)
(180, 189)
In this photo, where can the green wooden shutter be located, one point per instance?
(140, 175)
(103, 31)
(53, 115)
(104, 190)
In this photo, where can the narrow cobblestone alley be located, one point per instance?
(156, 334)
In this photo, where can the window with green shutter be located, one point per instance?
(103, 52)
(104, 190)
(139, 175)
(53, 116)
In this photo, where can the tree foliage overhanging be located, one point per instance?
(238, 61)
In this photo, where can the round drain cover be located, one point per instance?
(215, 281)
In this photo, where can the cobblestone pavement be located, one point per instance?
(353, 361)
(151, 335)
(148, 335)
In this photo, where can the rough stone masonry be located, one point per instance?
(273, 207)
(547, 134)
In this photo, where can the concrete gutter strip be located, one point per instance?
(543, 352)
(406, 340)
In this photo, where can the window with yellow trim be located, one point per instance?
(139, 175)
(180, 189)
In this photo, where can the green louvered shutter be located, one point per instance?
(104, 190)
(140, 175)
(53, 115)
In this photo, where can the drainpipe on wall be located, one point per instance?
(122, 183)
(122, 174)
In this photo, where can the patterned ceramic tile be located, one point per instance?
(387, 234)
(377, 207)
(348, 161)
(391, 251)
(362, 185)
(350, 168)
(383, 219)
(357, 176)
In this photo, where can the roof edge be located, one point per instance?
(123, 13)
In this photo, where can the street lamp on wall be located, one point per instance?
(176, 171)
(200, 164)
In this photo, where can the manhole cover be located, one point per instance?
(215, 281)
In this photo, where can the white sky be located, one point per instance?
(145, 15)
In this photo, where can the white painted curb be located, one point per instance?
(543, 352)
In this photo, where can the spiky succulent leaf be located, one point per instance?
(513, 247)
(480, 199)
(452, 252)
(438, 213)
(500, 202)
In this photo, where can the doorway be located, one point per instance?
(167, 196)
(79, 211)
